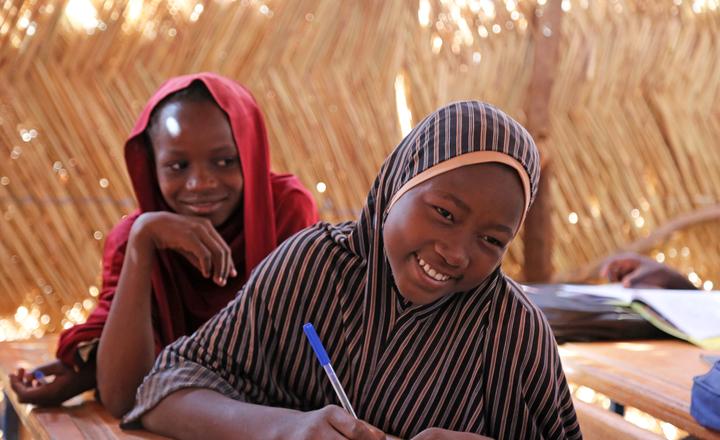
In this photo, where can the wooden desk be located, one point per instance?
(79, 418)
(652, 376)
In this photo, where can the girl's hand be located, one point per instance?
(442, 434)
(330, 422)
(67, 383)
(634, 270)
(193, 237)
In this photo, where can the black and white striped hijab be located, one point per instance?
(465, 128)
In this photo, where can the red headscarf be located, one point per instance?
(277, 207)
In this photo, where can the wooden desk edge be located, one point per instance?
(607, 382)
(22, 410)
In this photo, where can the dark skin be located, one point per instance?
(445, 221)
(459, 232)
(637, 271)
(194, 413)
(67, 383)
(443, 434)
(198, 171)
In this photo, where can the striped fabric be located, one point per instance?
(482, 361)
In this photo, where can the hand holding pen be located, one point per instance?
(50, 384)
(344, 422)
(324, 360)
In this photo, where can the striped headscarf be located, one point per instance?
(483, 361)
(450, 134)
(508, 144)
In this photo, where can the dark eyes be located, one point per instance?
(447, 216)
(444, 213)
(178, 165)
(224, 162)
(493, 241)
(227, 161)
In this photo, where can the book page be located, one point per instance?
(615, 291)
(693, 312)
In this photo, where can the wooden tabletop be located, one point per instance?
(79, 418)
(652, 376)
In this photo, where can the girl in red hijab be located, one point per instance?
(210, 211)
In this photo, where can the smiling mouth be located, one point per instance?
(203, 206)
(430, 271)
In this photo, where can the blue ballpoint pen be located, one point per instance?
(40, 377)
(322, 356)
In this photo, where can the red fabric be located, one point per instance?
(278, 206)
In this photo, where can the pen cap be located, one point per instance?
(316, 344)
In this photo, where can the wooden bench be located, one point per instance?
(652, 376)
(599, 424)
(79, 418)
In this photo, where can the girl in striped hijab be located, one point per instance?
(428, 337)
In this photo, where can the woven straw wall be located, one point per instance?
(635, 115)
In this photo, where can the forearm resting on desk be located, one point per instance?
(444, 434)
(196, 413)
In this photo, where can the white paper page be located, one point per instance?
(615, 291)
(693, 312)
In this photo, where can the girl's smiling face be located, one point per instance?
(196, 160)
(450, 232)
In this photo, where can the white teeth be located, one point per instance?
(432, 272)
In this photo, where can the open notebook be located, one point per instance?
(692, 315)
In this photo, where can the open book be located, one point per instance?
(692, 315)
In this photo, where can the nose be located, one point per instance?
(454, 251)
(201, 178)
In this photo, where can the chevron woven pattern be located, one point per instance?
(634, 134)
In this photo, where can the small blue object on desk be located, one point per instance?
(40, 377)
(705, 398)
(322, 356)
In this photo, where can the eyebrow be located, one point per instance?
(502, 228)
(218, 149)
(462, 205)
(452, 198)
(224, 147)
